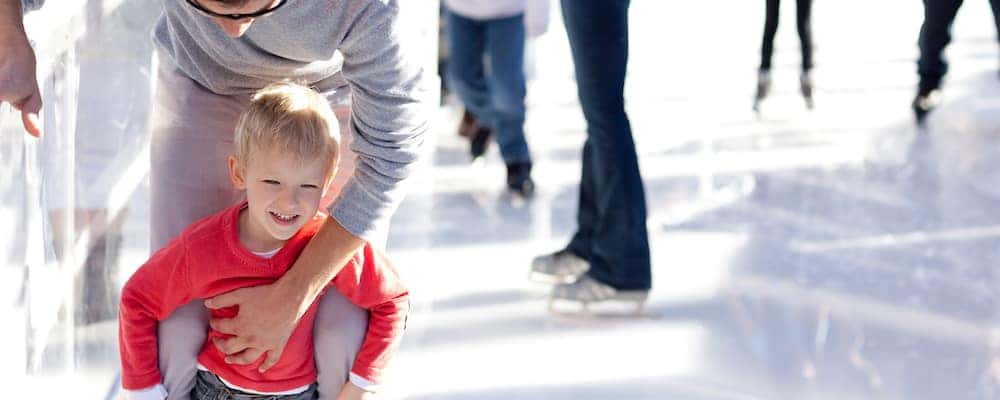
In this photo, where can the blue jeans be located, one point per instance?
(935, 34)
(494, 95)
(612, 216)
(208, 387)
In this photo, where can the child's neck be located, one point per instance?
(255, 240)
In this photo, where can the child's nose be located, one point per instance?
(289, 196)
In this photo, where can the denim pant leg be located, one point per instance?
(466, 73)
(935, 34)
(612, 217)
(505, 49)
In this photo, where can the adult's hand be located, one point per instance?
(269, 313)
(18, 83)
(267, 316)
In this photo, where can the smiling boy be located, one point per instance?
(286, 151)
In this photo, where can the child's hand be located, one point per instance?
(352, 392)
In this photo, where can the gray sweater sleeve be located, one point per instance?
(390, 107)
(31, 5)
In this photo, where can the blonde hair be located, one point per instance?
(289, 117)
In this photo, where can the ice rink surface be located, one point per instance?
(834, 254)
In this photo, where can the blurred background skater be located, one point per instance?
(803, 10)
(115, 59)
(935, 34)
(608, 256)
(486, 71)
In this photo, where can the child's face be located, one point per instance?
(283, 193)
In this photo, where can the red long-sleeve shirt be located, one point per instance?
(207, 259)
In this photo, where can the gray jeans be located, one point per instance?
(192, 138)
(208, 386)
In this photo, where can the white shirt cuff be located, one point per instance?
(363, 383)
(157, 392)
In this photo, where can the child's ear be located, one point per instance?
(236, 173)
(329, 180)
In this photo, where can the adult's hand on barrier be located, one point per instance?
(18, 82)
(267, 316)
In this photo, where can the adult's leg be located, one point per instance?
(619, 251)
(771, 9)
(466, 75)
(338, 332)
(935, 34)
(995, 4)
(586, 213)
(192, 136)
(340, 326)
(803, 18)
(505, 46)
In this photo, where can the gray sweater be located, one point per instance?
(331, 45)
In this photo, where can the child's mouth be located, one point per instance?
(283, 219)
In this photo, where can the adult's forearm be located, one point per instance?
(325, 255)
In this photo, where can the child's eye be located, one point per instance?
(310, 186)
(271, 182)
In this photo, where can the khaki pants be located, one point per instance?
(189, 179)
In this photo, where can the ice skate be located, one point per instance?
(479, 142)
(587, 291)
(806, 85)
(560, 267)
(763, 88)
(519, 179)
(924, 103)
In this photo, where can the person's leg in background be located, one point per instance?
(612, 214)
(505, 47)
(803, 18)
(466, 75)
(935, 34)
(192, 138)
(995, 5)
(771, 13)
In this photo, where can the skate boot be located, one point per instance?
(763, 88)
(924, 103)
(479, 142)
(587, 291)
(468, 125)
(519, 179)
(806, 85)
(563, 266)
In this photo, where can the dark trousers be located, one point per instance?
(612, 215)
(803, 14)
(494, 95)
(935, 34)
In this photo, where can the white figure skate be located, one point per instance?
(560, 267)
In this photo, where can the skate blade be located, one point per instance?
(542, 277)
(624, 303)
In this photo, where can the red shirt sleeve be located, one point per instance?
(370, 282)
(153, 292)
